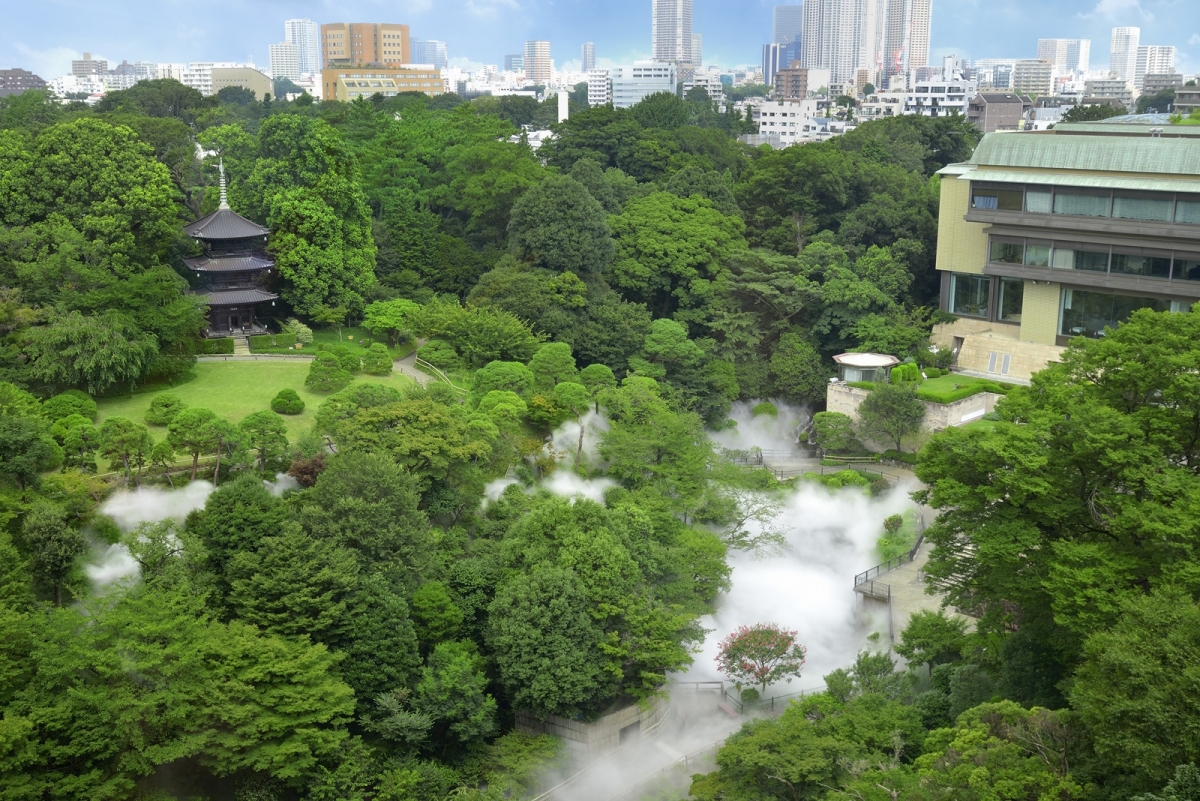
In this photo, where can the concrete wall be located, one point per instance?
(962, 246)
(601, 735)
(938, 416)
(980, 339)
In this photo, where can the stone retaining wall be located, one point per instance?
(938, 416)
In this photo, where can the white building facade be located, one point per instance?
(1122, 53)
(1153, 60)
(285, 61)
(306, 36)
(630, 84)
(671, 31)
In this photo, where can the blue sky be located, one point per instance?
(43, 35)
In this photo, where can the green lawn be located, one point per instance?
(353, 338)
(946, 383)
(235, 390)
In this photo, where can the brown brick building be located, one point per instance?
(375, 43)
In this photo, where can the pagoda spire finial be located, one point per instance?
(224, 197)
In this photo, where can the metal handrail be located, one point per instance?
(895, 561)
(426, 366)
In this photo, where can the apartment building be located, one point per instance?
(788, 121)
(1187, 99)
(995, 111)
(940, 97)
(599, 88)
(539, 67)
(1033, 77)
(345, 44)
(1052, 235)
(16, 80)
(797, 83)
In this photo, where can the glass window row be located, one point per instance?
(1075, 202)
(1163, 264)
(1081, 312)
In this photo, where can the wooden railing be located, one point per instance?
(438, 374)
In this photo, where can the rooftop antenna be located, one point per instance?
(224, 197)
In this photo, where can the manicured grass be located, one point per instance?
(235, 390)
(900, 543)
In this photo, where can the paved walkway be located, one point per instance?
(408, 366)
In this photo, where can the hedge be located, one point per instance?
(900, 456)
(963, 392)
(219, 347)
(272, 341)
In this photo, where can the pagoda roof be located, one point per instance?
(224, 223)
(228, 264)
(235, 297)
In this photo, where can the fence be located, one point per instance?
(631, 792)
(438, 374)
(257, 357)
(772, 704)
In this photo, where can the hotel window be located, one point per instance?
(1142, 208)
(1007, 252)
(1038, 202)
(969, 295)
(1150, 265)
(1187, 211)
(1081, 205)
(1037, 254)
(1067, 257)
(1187, 268)
(996, 199)
(1012, 294)
(1087, 314)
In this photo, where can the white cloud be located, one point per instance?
(50, 63)
(1114, 9)
(1195, 40)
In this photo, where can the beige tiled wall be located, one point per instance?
(1039, 312)
(962, 246)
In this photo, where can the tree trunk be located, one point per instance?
(58, 595)
(195, 463)
(579, 450)
(125, 460)
(799, 219)
(217, 469)
(167, 473)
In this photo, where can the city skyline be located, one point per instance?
(482, 31)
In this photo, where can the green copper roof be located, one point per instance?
(1091, 153)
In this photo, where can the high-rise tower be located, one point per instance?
(587, 55)
(787, 22)
(1122, 53)
(538, 65)
(306, 36)
(671, 31)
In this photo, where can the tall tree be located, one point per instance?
(53, 544)
(891, 412)
(123, 439)
(559, 226)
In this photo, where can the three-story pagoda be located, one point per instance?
(232, 271)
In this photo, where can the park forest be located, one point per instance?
(368, 625)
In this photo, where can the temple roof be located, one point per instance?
(228, 264)
(224, 223)
(236, 297)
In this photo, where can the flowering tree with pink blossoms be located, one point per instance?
(761, 654)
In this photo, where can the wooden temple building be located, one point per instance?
(232, 272)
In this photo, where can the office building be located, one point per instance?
(514, 63)
(599, 88)
(773, 61)
(241, 76)
(538, 66)
(348, 44)
(906, 36)
(17, 80)
(799, 83)
(306, 36)
(671, 31)
(1122, 53)
(587, 57)
(1067, 55)
(350, 83)
(1158, 59)
(1063, 233)
(285, 61)
(633, 82)
(1034, 77)
(710, 82)
(697, 50)
(995, 111)
(787, 23)
(87, 65)
(430, 51)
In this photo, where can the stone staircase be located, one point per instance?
(241, 346)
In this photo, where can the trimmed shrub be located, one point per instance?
(964, 391)
(905, 374)
(271, 341)
(215, 347)
(302, 332)
(163, 409)
(349, 360)
(378, 360)
(73, 401)
(326, 374)
(900, 456)
(286, 401)
(767, 408)
(749, 695)
(441, 354)
(934, 372)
